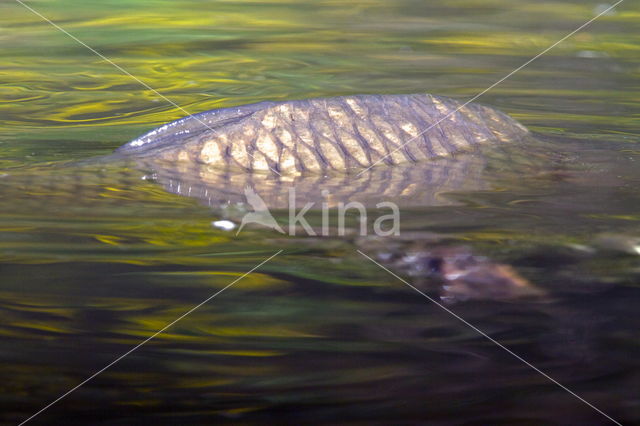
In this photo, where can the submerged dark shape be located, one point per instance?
(453, 271)
(341, 133)
(431, 143)
(407, 185)
(423, 148)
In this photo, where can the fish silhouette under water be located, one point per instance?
(410, 149)
(422, 145)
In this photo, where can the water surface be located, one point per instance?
(93, 260)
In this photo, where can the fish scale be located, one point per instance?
(206, 156)
(317, 135)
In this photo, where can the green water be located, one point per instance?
(93, 261)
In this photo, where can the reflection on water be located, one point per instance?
(93, 258)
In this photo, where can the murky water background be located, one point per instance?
(94, 260)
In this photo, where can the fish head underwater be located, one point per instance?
(415, 151)
(411, 150)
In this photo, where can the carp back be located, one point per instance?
(340, 133)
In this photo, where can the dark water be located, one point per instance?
(94, 259)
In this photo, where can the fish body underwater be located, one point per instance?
(409, 149)
(405, 147)
(412, 150)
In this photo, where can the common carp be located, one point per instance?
(341, 133)
(409, 149)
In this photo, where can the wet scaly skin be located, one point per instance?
(341, 133)
(215, 155)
